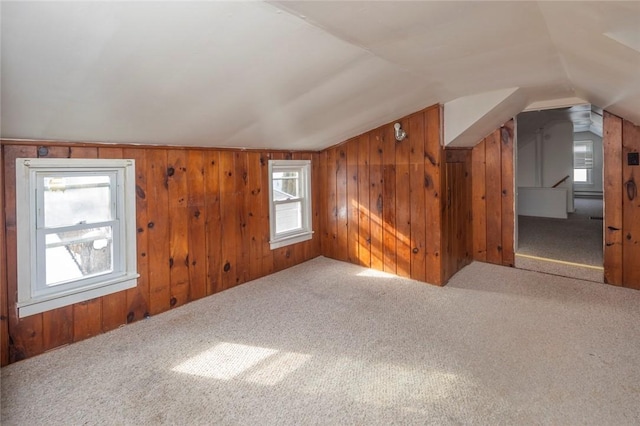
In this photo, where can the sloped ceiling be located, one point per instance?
(296, 75)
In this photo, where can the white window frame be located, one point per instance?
(34, 296)
(305, 232)
(585, 162)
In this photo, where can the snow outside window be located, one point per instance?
(76, 231)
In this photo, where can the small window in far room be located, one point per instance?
(289, 202)
(582, 161)
(76, 231)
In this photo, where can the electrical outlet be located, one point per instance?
(633, 159)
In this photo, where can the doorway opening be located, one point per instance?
(559, 192)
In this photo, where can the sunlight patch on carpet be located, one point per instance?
(226, 361)
(372, 273)
(278, 368)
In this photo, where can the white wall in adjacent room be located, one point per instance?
(545, 156)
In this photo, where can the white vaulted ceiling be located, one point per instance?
(296, 75)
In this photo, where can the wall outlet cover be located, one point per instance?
(633, 158)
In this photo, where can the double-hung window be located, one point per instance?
(76, 230)
(289, 202)
(582, 161)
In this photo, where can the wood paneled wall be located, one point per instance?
(382, 201)
(493, 198)
(622, 203)
(457, 218)
(202, 227)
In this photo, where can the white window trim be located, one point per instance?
(584, 163)
(30, 300)
(298, 235)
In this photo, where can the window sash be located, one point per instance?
(583, 155)
(114, 176)
(289, 200)
(303, 170)
(34, 295)
(117, 259)
(301, 212)
(116, 212)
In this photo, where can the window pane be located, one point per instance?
(286, 185)
(583, 154)
(77, 254)
(69, 200)
(580, 175)
(288, 217)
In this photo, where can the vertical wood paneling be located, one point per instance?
(353, 213)
(254, 214)
(57, 327)
(242, 209)
(389, 228)
(229, 218)
(468, 176)
(403, 203)
(267, 253)
(393, 199)
(158, 232)
(375, 199)
(197, 245)
(92, 152)
(341, 204)
(494, 197)
(213, 221)
(138, 297)
(479, 206)
(491, 164)
(323, 205)
(114, 306)
(178, 226)
(180, 237)
(508, 183)
(316, 204)
(433, 201)
(417, 194)
(613, 196)
(448, 221)
(4, 307)
(630, 207)
(53, 151)
(85, 324)
(364, 233)
(25, 334)
(331, 208)
(457, 235)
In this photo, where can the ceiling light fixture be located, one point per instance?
(400, 134)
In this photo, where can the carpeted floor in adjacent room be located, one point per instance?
(576, 240)
(332, 343)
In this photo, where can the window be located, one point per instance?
(289, 202)
(582, 161)
(76, 231)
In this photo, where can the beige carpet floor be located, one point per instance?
(577, 239)
(331, 343)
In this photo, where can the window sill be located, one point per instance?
(298, 238)
(43, 304)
